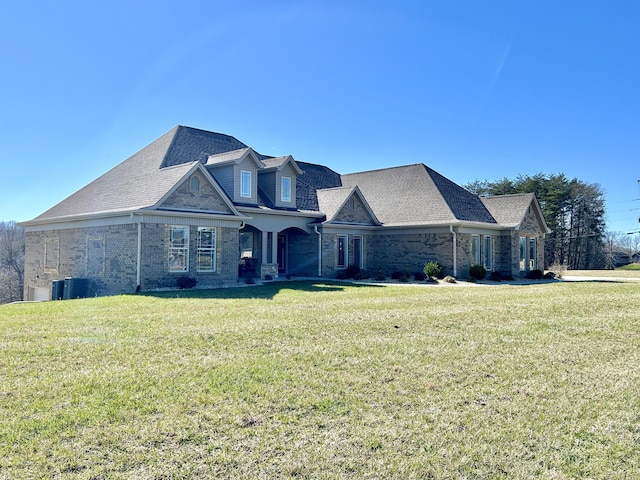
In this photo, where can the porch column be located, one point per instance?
(265, 244)
(274, 249)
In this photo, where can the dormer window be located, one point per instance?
(245, 184)
(285, 189)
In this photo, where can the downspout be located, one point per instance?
(315, 228)
(139, 252)
(455, 251)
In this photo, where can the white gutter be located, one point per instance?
(455, 251)
(315, 228)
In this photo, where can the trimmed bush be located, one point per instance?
(433, 269)
(419, 276)
(478, 271)
(186, 282)
(534, 275)
(351, 271)
(380, 275)
(396, 275)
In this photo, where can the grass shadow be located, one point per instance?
(260, 291)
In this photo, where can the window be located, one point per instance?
(475, 249)
(488, 252)
(178, 249)
(532, 254)
(194, 184)
(245, 184)
(285, 189)
(206, 249)
(523, 251)
(342, 252)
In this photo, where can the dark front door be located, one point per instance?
(282, 253)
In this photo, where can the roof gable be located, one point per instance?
(208, 197)
(279, 163)
(346, 205)
(512, 210)
(236, 157)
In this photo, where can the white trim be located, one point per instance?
(242, 184)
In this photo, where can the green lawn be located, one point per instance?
(321, 380)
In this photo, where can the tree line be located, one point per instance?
(11, 262)
(574, 212)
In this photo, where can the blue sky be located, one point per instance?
(476, 90)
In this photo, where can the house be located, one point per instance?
(204, 205)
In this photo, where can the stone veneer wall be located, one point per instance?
(107, 256)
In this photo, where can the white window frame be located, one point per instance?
(245, 183)
(207, 251)
(178, 248)
(533, 253)
(475, 250)
(487, 254)
(523, 253)
(285, 189)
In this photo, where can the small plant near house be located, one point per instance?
(534, 275)
(362, 275)
(477, 271)
(419, 276)
(396, 274)
(186, 282)
(433, 269)
(404, 278)
(351, 271)
(379, 276)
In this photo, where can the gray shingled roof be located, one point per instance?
(313, 178)
(416, 194)
(509, 210)
(331, 199)
(144, 178)
(136, 183)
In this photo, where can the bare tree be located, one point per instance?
(11, 262)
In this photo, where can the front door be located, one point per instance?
(282, 253)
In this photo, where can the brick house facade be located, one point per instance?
(204, 205)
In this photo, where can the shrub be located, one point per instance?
(380, 275)
(396, 275)
(534, 275)
(433, 269)
(419, 276)
(351, 271)
(186, 282)
(361, 275)
(403, 278)
(478, 271)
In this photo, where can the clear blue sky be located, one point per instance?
(474, 89)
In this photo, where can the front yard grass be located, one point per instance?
(322, 380)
